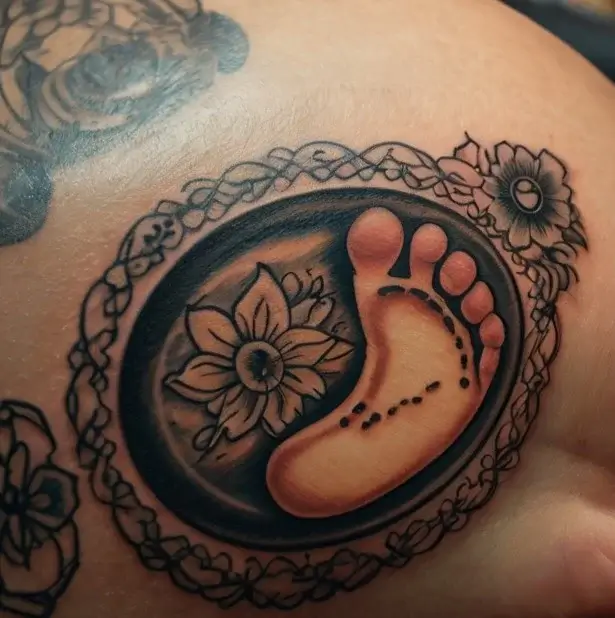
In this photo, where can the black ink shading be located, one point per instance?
(485, 186)
(257, 362)
(61, 101)
(38, 501)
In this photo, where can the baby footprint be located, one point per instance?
(420, 384)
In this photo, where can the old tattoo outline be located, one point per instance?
(74, 76)
(485, 184)
(38, 502)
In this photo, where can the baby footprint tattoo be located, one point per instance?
(345, 365)
(421, 382)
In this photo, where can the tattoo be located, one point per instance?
(39, 543)
(334, 366)
(74, 75)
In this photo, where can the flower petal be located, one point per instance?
(482, 199)
(52, 497)
(240, 416)
(39, 534)
(547, 236)
(504, 153)
(519, 236)
(553, 167)
(526, 161)
(305, 381)
(272, 414)
(8, 549)
(13, 41)
(262, 312)
(558, 214)
(303, 347)
(7, 444)
(230, 395)
(8, 436)
(563, 253)
(468, 152)
(471, 152)
(16, 532)
(300, 336)
(292, 285)
(300, 312)
(212, 331)
(563, 193)
(491, 187)
(335, 359)
(18, 465)
(202, 438)
(292, 404)
(440, 190)
(460, 194)
(311, 311)
(533, 252)
(202, 378)
(501, 215)
(460, 172)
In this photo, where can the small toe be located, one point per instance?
(428, 246)
(492, 331)
(488, 365)
(458, 272)
(478, 303)
(375, 240)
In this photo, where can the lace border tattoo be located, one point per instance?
(493, 188)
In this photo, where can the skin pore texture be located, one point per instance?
(283, 314)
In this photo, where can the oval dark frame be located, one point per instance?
(337, 207)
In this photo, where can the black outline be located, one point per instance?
(231, 316)
(41, 603)
(146, 245)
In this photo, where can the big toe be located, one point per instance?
(375, 241)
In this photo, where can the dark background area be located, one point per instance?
(588, 27)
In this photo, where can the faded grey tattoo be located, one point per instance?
(39, 540)
(74, 74)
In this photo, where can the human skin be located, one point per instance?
(361, 73)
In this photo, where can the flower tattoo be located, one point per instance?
(523, 200)
(29, 510)
(257, 364)
(38, 501)
(525, 196)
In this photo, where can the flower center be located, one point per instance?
(259, 366)
(527, 194)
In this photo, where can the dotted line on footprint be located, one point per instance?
(376, 417)
(447, 320)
